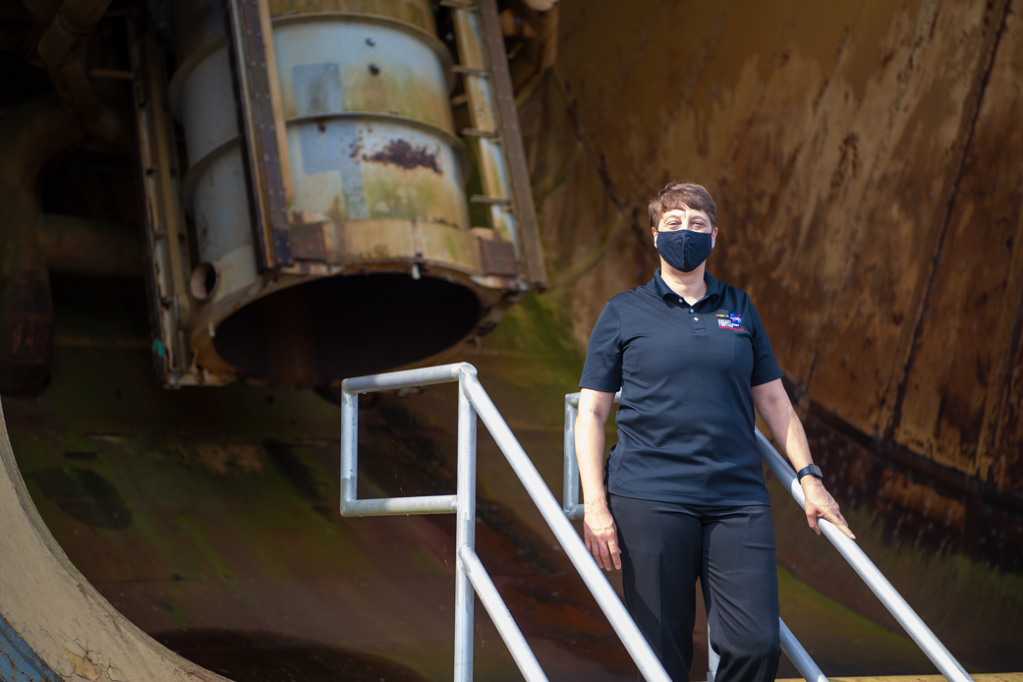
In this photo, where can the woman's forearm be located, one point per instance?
(789, 434)
(589, 451)
(774, 406)
(594, 409)
(599, 532)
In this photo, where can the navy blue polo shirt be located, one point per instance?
(685, 421)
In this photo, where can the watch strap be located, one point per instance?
(810, 470)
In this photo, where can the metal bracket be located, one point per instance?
(493, 201)
(256, 126)
(163, 225)
(475, 132)
(458, 68)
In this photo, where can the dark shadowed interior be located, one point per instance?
(346, 326)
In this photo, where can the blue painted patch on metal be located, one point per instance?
(335, 146)
(329, 145)
(158, 347)
(18, 663)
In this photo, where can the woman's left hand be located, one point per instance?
(821, 505)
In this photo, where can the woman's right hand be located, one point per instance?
(601, 537)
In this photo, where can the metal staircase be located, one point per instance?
(471, 576)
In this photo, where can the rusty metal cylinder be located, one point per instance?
(379, 190)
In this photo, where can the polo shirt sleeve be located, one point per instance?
(603, 368)
(765, 367)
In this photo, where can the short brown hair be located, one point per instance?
(682, 195)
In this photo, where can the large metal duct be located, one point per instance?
(30, 136)
(385, 268)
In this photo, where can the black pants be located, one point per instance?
(666, 547)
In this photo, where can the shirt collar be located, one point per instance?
(713, 288)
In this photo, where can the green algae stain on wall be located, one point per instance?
(199, 540)
(84, 495)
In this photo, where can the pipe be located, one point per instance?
(547, 20)
(42, 11)
(62, 50)
(90, 248)
(545, 16)
(30, 135)
(541, 5)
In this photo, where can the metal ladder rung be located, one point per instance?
(470, 71)
(494, 200)
(474, 132)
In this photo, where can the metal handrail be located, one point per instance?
(850, 551)
(470, 575)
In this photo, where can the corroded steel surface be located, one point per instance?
(866, 159)
(378, 175)
(823, 131)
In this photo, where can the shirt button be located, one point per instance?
(691, 311)
(696, 318)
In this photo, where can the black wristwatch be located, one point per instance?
(811, 470)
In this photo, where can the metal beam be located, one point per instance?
(256, 126)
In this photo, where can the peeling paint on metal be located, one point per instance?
(18, 663)
(83, 666)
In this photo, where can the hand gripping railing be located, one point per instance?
(470, 574)
(849, 550)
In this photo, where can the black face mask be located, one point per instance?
(684, 249)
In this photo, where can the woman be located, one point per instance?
(685, 491)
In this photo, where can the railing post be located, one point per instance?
(713, 660)
(798, 655)
(465, 532)
(349, 446)
(570, 485)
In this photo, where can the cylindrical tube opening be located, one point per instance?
(204, 280)
(339, 327)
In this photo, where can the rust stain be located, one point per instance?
(355, 148)
(848, 161)
(307, 241)
(899, 489)
(404, 155)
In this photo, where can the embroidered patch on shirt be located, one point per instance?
(730, 321)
